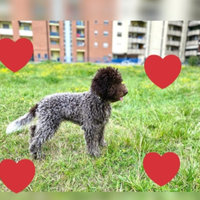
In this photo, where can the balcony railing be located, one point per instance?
(173, 32)
(6, 31)
(194, 32)
(136, 51)
(28, 33)
(80, 36)
(173, 43)
(137, 29)
(176, 23)
(194, 23)
(168, 52)
(192, 43)
(136, 40)
(191, 53)
(54, 34)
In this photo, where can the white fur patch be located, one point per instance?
(12, 127)
(15, 125)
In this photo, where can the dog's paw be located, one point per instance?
(103, 143)
(94, 153)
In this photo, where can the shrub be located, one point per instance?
(193, 61)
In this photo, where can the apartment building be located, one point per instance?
(193, 36)
(46, 36)
(136, 40)
(92, 41)
(129, 39)
(166, 37)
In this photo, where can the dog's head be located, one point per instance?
(107, 84)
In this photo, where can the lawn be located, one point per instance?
(149, 119)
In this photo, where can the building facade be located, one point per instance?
(105, 41)
(137, 40)
(193, 39)
(47, 37)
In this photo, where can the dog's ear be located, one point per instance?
(100, 84)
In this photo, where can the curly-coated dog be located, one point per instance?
(91, 110)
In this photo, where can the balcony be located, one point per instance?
(4, 31)
(194, 32)
(80, 37)
(80, 25)
(191, 53)
(192, 43)
(170, 52)
(173, 43)
(175, 33)
(136, 51)
(194, 23)
(54, 23)
(137, 40)
(80, 44)
(27, 33)
(175, 23)
(54, 35)
(136, 29)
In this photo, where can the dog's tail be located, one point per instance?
(22, 121)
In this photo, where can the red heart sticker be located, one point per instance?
(17, 176)
(15, 55)
(162, 72)
(161, 169)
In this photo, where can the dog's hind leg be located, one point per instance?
(42, 134)
(32, 132)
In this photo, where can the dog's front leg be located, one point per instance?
(91, 137)
(102, 142)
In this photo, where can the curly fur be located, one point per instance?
(91, 110)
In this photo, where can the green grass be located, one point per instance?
(148, 120)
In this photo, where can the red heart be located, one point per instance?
(15, 55)
(161, 169)
(17, 176)
(162, 72)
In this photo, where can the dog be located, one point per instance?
(91, 110)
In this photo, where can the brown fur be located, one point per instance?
(33, 110)
(108, 84)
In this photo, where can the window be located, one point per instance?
(105, 33)
(106, 22)
(46, 56)
(96, 44)
(95, 32)
(6, 26)
(119, 34)
(26, 28)
(95, 22)
(80, 23)
(80, 44)
(119, 23)
(105, 45)
(54, 42)
(39, 56)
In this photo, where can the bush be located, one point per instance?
(193, 61)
